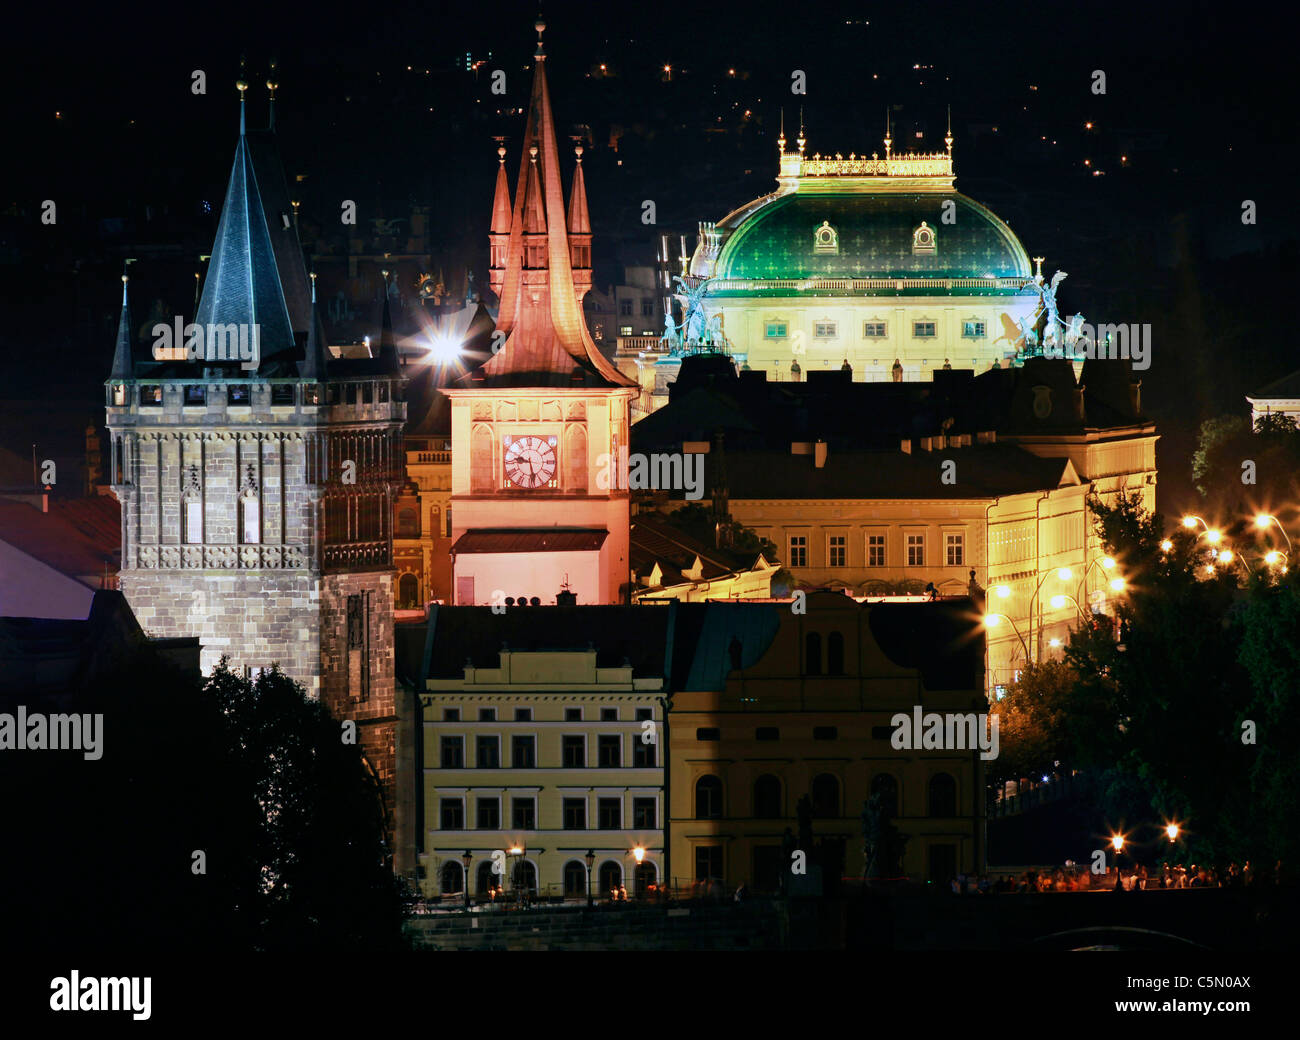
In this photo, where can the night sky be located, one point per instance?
(100, 116)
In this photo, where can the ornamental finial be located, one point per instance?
(540, 26)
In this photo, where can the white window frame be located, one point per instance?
(909, 544)
(884, 329)
(884, 548)
(934, 326)
(979, 323)
(843, 548)
(950, 539)
(790, 548)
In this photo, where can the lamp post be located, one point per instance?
(1062, 573)
(466, 858)
(1264, 520)
(1059, 600)
(590, 857)
(995, 619)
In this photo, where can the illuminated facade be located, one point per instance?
(536, 507)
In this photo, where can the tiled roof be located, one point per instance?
(56, 541)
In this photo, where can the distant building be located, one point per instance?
(1280, 397)
(667, 563)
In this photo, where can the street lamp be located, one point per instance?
(1058, 601)
(590, 857)
(1263, 520)
(516, 854)
(638, 854)
(993, 620)
(1172, 830)
(466, 859)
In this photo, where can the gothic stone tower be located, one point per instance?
(540, 431)
(257, 499)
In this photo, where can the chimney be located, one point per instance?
(45, 500)
(819, 454)
(905, 446)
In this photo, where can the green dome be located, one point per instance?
(872, 236)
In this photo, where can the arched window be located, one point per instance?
(708, 797)
(943, 795)
(826, 239)
(646, 875)
(575, 878)
(767, 797)
(825, 796)
(611, 876)
(485, 879)
(250, 527)
(812, 654)
(526, 878)
(482, 475)
(575, 459)
(835, 654)
(886, 786)
(452, 876)
(408, 592)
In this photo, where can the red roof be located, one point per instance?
(55, 541)
(539, 539)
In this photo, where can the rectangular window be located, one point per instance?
(487, 752)
(625, 330)
(575, 752)
(610, 750)
(249, 509)
(608, 714)
(644, 713)
(825, 330)
(708, 733)
(196, 395)
(625, 308)
(151, 396)
(194, 521)
(643, 813)
(775, 330)
(825, 733)
(572, 714)
(708, 862)
(767, 733)
(523, 714)
(452, 813)
(450, 714)
(875, 550)
(609, 813)
(643, 754)
(955, 549)
(489, 814)
(237, 394)
(837, 549)
(972, 329)
(453, 752)
(523, 752)
(575, 814)
(873, 329)
(282, 394)
(923, 329)
(647, 308)
(367, 393)
(916, 550)
(523, 813)
(798, 550)
(487, 714)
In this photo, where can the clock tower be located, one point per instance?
(539, 432)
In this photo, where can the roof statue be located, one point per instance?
(1053, 329)
(698, 332)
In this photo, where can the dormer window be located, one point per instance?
(923, 241)
(826, 239)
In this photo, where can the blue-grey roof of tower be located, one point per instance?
(123, 366)
(243, 286)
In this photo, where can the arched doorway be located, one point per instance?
(408, 592)
(646, 875)
(485, 879)
(453, 876)
(611, 877)
(575, 879)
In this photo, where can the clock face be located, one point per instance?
(530, 462)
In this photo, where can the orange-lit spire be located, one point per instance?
(501, 200)
(579, 219)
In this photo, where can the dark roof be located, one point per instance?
(981, 471)
(541, 539)
(1038, 397)
(1286, 387)
(690, 643)
(654, 539)
(97, 518)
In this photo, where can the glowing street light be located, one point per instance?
(994, 620)
(1108, 563)
(1263, 520)
(1213, 536)
(1002, 591)
(1166, 545)
(1172, 831)
(1117, 842)
(1054, 643)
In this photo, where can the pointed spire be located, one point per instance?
(271, 85)
(315, 360)
(802, 141)
(123, 363)
(579, 219)
(889, 141)
(243, 286)
(241, 85)
(947, 138)
(780, 141)
(534, 204)
(501, 198)
(389, 363)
